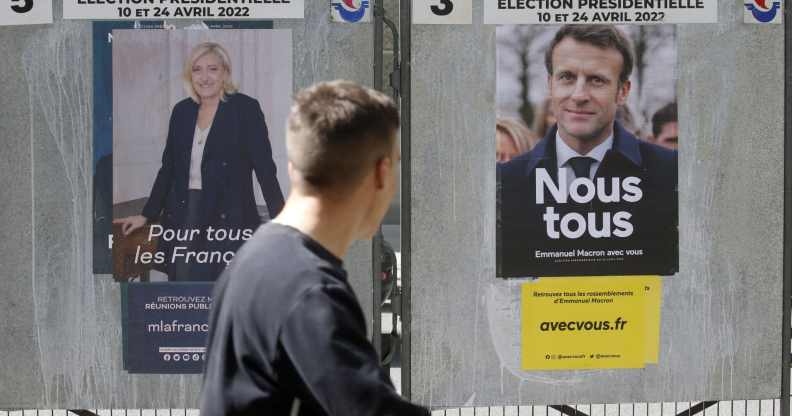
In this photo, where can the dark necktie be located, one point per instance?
(581, 165)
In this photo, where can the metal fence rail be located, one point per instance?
(705, 408)
(723, 408)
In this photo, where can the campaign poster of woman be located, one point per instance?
(586, 157)
(198, 143)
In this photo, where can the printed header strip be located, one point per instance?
(183, 9)
(600, 11)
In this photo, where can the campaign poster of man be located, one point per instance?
(199, 158)
(586, 141)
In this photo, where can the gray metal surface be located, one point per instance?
(60, 325)
(786, 325)
(325, 51)
(16, 248)
(721, 316)
(405, 214)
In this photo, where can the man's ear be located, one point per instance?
(623, 92)
(290, 170)
(381, 171)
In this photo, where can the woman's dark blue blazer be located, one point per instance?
(237, 145)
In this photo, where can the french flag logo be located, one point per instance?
(351, 12)
(764, 11)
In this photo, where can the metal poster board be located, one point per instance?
(66, 322)
(721, 319)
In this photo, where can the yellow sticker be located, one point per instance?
(653, 294)
(585, 322)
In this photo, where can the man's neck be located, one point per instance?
(584, 147)
(328, 224)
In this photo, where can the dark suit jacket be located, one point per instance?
(522, 231)
(237, 145)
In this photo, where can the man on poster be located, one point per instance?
(590, 198)
(287, 335)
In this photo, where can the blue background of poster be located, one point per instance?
(103, 126)
(142, 347)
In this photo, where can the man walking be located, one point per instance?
(287, 335)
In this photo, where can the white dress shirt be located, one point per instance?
(564, 153)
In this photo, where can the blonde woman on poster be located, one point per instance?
(203, 194)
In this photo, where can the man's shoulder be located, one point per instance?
(659, 163)
(277, 258)
(657, 154)
(521, 166)
(269, 276)
(652, 156)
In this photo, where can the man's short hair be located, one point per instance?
(601, 36)
(337, 131)
(666, 114)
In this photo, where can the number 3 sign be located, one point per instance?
(25, 12)
(442, 12)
